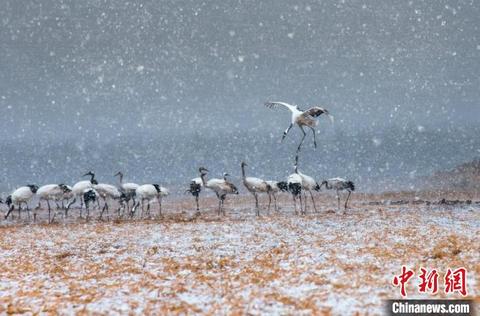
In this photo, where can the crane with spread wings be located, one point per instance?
(302, 119)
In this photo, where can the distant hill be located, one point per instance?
(461, 178)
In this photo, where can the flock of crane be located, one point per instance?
(90, 191)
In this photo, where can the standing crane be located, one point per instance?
(255, 186)
(339, 184)
(221, 187)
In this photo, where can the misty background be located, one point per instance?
(158, 88)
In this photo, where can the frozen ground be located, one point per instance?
(322, 263)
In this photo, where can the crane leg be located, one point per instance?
(314, 137)
(198, 206)
(49, 210)
(286, 131)
(160, 206)
(9, 211)
(269, 201)
(28, 210)
(295, 204)
(223, 206)
(256, 204)
(275, 202)
(313, 201)
(338, 198)
(302, 211)
(303, 138)
(305, 202)
(219, 206)
(346, 201)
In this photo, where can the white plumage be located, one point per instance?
(195, 187)
(221, 187)
(339, 184)
(52, 192)
(294, 182)
(276, 187)
(89, 195)
(21, 196)
(255, 186)
(308, 184)
(80, 187)
(107, 192)
(129, 189)
(149, 192)
(301, 119)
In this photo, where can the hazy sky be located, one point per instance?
(102, 85)
(135, 66)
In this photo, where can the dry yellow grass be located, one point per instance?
(322, 263)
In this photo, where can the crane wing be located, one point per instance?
(317, 111)
(275, 105)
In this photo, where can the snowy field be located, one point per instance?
(325, 262)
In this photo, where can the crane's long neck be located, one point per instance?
(92, 178)
(120, 176)
(243, 172)
(203, 176)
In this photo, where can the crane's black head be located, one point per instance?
(8, 200)
(157, 187)
(350, 185)
(195, 188)
(234, 188)
(283, 186)
(123, 197)
(89, 196)
(33, 187)
(91, 174)
(202, 170)
(64, 188)
(243, 164)
(295, 188)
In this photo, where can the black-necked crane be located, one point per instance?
(221, 187)
(109, 192)
(255, 186)
(80, 187)
(195, 188)
(301, 119)
(276, 187)
(149, 193)
(294, 182)
(127, 188)
(67, 199)
(339, 184)
(52, 192)
(89, 196)
(308, 184)
(21, 196)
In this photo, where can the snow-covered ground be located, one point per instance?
(322, 263)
